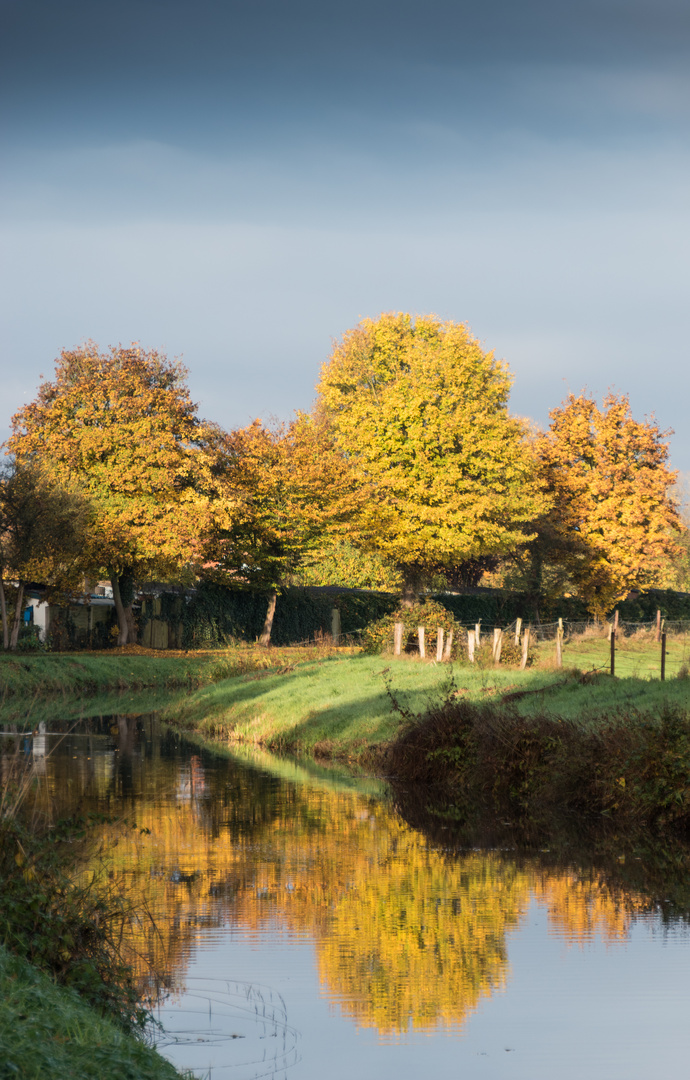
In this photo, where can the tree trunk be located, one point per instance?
(3, 615)
(536, 581)
(409, 595)
(122, 622)
(14, 637)
(265, 638)
(131, 625)
(413, 580)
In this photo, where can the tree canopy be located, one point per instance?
(420, 413)
(121, 425)
(410, 471)
(42, 529)
(289, 488)
(614, 520)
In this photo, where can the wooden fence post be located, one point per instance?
(397, 638)
(439, 644)
(422, 647)
(663, 656)
(335, 625)
(613, 651)
(518, 628)
(470, 645)
(448, 646)
(615, 621)
(498, 646)
(478, 633)
(658, 625)
(525, 649)
(559, 647)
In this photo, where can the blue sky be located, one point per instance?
(240, 183)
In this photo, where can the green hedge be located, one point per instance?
(501, 609)
(214, 615)
(673, 605)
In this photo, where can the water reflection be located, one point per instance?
(408, 937)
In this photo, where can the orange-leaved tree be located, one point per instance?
(288, 486)
(43, 526)
(420, 413)
(121, 424)
(614, 518)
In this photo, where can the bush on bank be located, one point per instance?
(632, 766)
(66, 926)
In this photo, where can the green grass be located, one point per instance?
(636, 657)
(588, 701)
(337, 704)
(43, 674)
(341, 705)
(48, 1033)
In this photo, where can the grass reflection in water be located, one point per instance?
(407, 936)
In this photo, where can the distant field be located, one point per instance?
(637, 657)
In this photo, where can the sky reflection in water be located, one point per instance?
(304, 929)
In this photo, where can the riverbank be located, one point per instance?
(523, 744)
(344, 706)
(322, 702)
(539, 739)
(70, 1001)
(130, 668)
(339, 706)
(48, 1032)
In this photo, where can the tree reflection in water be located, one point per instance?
(407, 935)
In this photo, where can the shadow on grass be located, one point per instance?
(302, 707)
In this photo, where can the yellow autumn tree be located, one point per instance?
(42, 528)
(289, 488)
(614, 519)
(420, 414)
(121, 426)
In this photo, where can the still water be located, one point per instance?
(304, 930)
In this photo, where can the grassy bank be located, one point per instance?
(70, 999)
(333, 705)
(131, 668)
(48, 1032)
(343, 705)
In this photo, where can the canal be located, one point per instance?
(300, 924)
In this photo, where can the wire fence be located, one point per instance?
(652, 649)
(539, 631)
(571, 628)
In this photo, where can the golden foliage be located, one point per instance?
(420, 413)
(614, 519)
(289, 488)
(121, 425)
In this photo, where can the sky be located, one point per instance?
(239, 183)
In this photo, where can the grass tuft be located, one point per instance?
(48, 1032)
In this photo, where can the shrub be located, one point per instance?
(378, 637)
(64, 924)
(632, 768)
